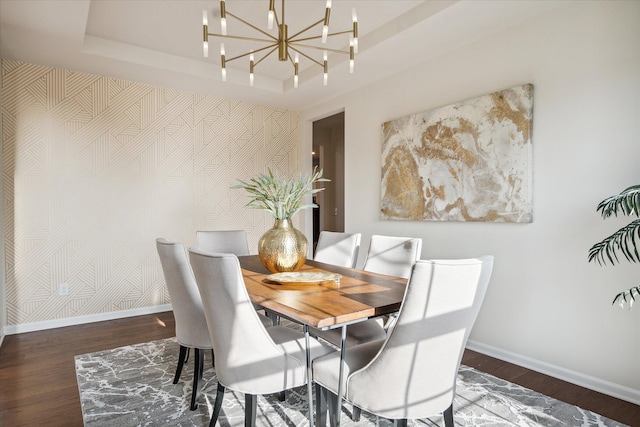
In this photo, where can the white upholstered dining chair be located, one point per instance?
(338, 248)
(390, 255)
(223, 241)
(341, 249)
(412, 373)
(191, 325)
(250, 358)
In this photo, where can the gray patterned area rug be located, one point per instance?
(133, 386)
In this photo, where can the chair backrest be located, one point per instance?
(419, 360)
(191, 325)
(338, 248)
(223, 241)
(392, 255)
(247, 359)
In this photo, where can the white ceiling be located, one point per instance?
(160, 42)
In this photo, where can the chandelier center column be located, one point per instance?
(283, 44)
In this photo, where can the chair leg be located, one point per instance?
(217, 406)
(197, 378)
(334, 410)
(400, 423)
(321, 406)
(213, 359)
(355, 416)
(448, 416)
(274, 317)
(250, 409)
(282, 396)
(181, 358)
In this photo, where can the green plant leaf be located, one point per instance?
(282, 197)
(627, 201)
(621, 298)
(624, 240)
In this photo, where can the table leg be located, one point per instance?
(341, 374)
(309, 379)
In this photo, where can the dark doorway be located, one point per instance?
(328, 154)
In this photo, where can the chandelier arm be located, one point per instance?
(306, 29)
(340, 32)
(269, 53)
(307, 46)
(228, 36)
(274, 46)
(305, 55)
(291, 39)
(275, 16)
(251, 25)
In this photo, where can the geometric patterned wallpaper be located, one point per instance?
(96, 168)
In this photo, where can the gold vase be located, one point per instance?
(283, 247)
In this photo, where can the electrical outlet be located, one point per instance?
(64, 289)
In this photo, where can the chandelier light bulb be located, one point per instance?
(205, 30)
(270, 20)
(355, 30)
(251, 70)
(325, 26)
(351, 57)
(223, 63)
(223, 18)
(296, 62)
(271, 15)
(326, 69)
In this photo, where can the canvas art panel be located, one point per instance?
(469, 161)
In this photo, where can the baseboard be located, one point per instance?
(611, 389)
(80, 320)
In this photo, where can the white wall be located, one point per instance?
(97, 168)
(546, 307)
(3, 304)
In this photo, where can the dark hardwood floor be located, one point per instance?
(38, 383)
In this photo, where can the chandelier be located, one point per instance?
(283, 43)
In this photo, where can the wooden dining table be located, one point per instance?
(357, 296)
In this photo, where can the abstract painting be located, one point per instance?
(469, 161)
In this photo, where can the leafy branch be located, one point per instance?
(621, 298)
(280, 196)
(628, 201)
(626, 240)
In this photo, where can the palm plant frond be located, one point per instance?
(626, 240)
(628, 202)
(627, 296)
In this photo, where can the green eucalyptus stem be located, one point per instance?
(278, 195)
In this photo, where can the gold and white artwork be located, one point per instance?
(469, 161)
